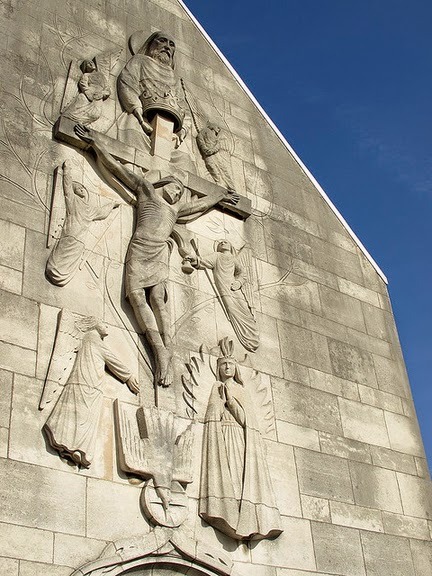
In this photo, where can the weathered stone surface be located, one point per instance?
(351, 363)
(386, 555)
(297, 435)
(403, 434)
(323, 476)
(344, 447)
(113, 511)
(338, 550)
(36, 568)
(285, 483)
(356, 516)
(422, 467)
(301, 405)
(5, 397)
(375, 487)
(4, 442)
(9, 566)
(342, 308)
(317, 509)
(416, 494)
(293, 549)
(48, 499)
(358, 291)
(422, 557)
(303, 346)
(363, 423)
(26, 543)
(390, 376)
(10, 280)
(393, 460)
(333, 384)
(19, 320)
(12, 238)
(380, 399)
(75, 550)
(407, 526)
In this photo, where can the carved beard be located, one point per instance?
(161, 57)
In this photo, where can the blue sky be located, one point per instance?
(349, 84)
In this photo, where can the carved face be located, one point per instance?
(162, 48)
(172, 192)
(80, 190)
(227, 368)
(214, 128)
(224, 246)
(89, 66)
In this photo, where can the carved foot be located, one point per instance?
(164, 372)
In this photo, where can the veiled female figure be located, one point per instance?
(236, 495)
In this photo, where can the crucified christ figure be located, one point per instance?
(159, 207)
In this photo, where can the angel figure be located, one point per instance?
(230, 274)
(68, 252)
(236, 494)
(73, 424)
(93, 89)
(216, 145)
(216, 158)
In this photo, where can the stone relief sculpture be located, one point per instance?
(93, 90)
(216, 158)
(152, 447)
(148, 84)
(214, 143)
(72, 426)
(161, 552)
(231, 276)
(236, 494)
(159, 208)
(68, 252)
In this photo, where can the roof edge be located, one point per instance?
(287, 145)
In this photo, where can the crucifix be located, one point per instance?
(160, 209)
(152, 98)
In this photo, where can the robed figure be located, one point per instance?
(73, 424)
(231, 277)
(236, 494)
(68, 253)
(149, 85)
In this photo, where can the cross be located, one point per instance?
(162, 144)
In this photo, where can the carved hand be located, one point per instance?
(231, 197)
(236, 285)
(84, 133)
(193, 260)
(133, 385)
(143, 123)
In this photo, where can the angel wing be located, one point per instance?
(197, 382)
(106, 61)
(71, 87)
(67, 342)
(58, 209)
(244, 256)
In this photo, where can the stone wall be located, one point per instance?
(341, 438)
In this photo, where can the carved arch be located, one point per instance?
(171, 552)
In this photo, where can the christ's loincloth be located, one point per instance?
(147, 263)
